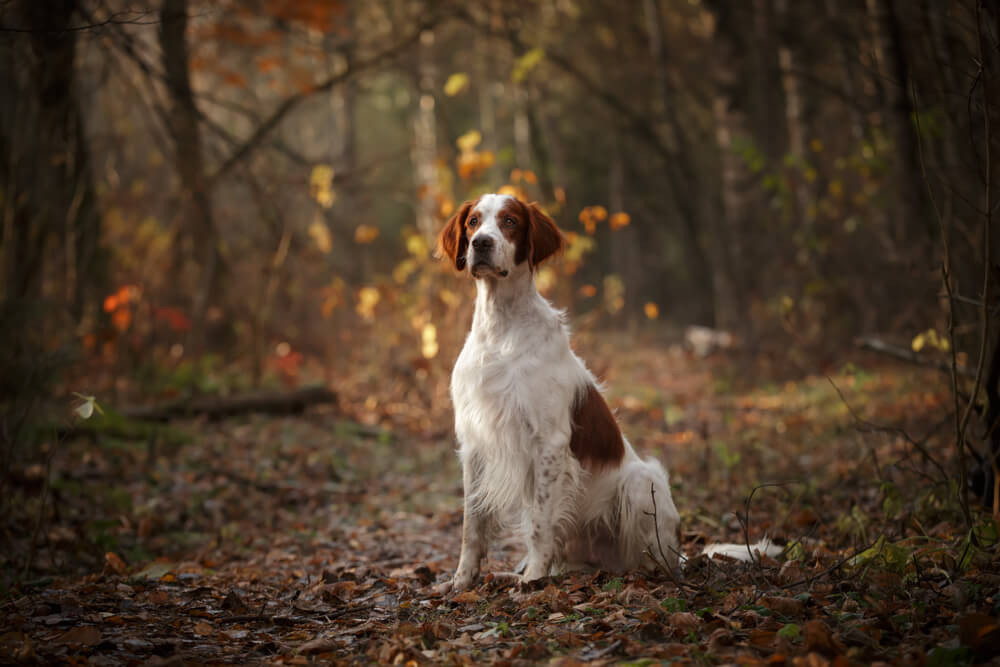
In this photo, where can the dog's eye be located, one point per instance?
(473, 221)
(509, 221)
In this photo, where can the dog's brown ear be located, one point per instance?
(452, 241)
(544, 238)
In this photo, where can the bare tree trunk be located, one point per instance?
(911, 198)
(728, 225)
(847, 74)
(200, 231)
(45, 163)
(680, 179)
(793, 116)
(425, 141)
(624, 242)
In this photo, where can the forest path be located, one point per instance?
(291, 539)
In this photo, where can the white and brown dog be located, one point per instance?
(540, 449)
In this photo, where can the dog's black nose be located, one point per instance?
(482, 244)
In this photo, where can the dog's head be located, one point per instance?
(497, 234)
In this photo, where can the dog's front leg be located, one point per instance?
(476, 525)
(550, 509)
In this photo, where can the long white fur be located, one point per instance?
(514, 386)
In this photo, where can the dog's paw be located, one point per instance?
(456, 584)
(534, 571)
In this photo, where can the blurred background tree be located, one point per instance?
(204, 196)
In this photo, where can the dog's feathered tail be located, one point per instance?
(747, 553)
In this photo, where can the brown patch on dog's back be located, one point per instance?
(596, 440)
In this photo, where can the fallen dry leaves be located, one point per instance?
(302, 540)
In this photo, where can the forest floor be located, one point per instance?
(307, 539)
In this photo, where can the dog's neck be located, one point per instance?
(502, 303)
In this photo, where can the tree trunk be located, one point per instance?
(793, 118)
(727, 231)
(45, 163)
(200, 231)
(912, 206)
(425, 142)
(681, 180)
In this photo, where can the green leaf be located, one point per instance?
(674, 604)
(790, 631)
(613, 586)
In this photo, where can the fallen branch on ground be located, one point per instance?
(215, 407)
(880, 346)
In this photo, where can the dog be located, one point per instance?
(540, 449)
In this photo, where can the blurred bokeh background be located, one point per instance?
(206, 197)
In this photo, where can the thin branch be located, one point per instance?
(293, 101)
(656, 525)
(987, 269)
(871, 426)
(113, 20)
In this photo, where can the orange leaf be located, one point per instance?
(122, 318)
(114, 564)
(467, 596)
(619, 220)
(203, 628)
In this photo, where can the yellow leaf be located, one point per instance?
(368, 298)
(416, 245)
(404, 270)
(810, 174)
(599, 212)
(365, 234)
(816, 145)
(320, 234)
(456, 83)
(321, 185)
(526, 63)
(836, 189)
(918, 342)
(652, 310)
(468, 141)
(428, 341)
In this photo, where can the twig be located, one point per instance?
(988, 217)
(41, 511)
(746, 515)
(832, 568)
(871, 426)
(946, 279)
(659, 544)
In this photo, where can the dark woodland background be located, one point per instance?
(205, 201)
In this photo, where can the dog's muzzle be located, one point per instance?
(482, 257)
